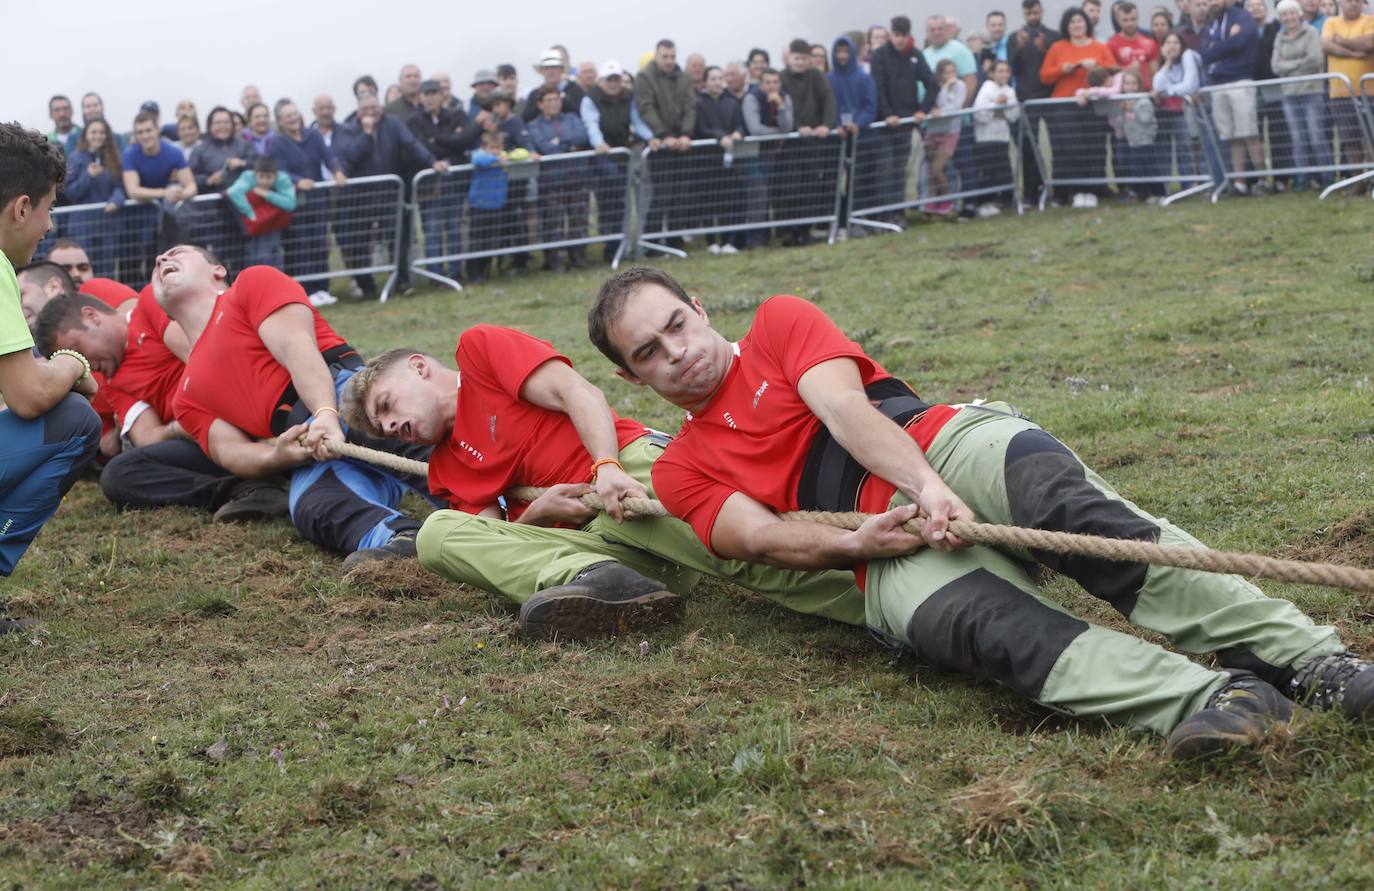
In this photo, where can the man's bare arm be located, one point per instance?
(747, 530)
(245, 457)
(148, 428)
(289, 335)
(31, 386)
(134, 188)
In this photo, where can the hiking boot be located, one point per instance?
(251, 501)
(1343, 682)
(602, 600)
(1239, 714)
(401, 547)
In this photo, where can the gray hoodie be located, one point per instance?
(1299, 54)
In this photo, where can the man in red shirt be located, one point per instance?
(515, 413)
(260, 396)
(1133, 50)
(796, 416)
(140, 353)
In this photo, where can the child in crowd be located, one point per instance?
(995, 112)
(265, 197)
(942, 132)
(1133, 124)
(486, 202)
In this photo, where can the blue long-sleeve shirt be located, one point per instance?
(306, 159)
(82, 188)
(591, 119)
(489, 182)
(1228, 57)
(283, 193)
(391, 148)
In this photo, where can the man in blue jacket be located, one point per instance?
(1230, 44)
(856, 96)
(379, 144)
(562, 184)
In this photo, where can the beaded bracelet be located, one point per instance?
(85, 364)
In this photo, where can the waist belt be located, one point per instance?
(831, 478)
(290, 410)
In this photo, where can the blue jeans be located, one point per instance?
(1305, 115)
(39, 461)
(441, 216)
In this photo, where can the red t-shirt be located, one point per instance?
(498, 439)
(149, 374)
(108, 291)
(754, 435)
(1129, 50)
(231, 375)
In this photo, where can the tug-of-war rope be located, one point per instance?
(1330, 575)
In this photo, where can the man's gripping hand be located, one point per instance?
(288, 450)
(940, 505)
(559, 504)
(324, 427)
(882, 535)
(614, 485)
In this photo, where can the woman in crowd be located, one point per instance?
(1078, 137)
(95, 175)
(220, 156)
(188, 133)
(1178, 78)
(259, 133)
(877, 36)
(302, 155)
(1298, 51)
(1271, 99)
(1161, 23)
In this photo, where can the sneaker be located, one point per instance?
(1080, 199)
(1341, 682)
(1240, 188)
(251, 501)
(401, 547)
(713, 249)
(355, 291)
(323, 298)
(9, 624)
(602, 600)
(727, 250)
(988, 210)
(1242, 713)
(1089, 200)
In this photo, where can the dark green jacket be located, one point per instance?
(666, 102)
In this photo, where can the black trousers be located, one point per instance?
(173, 472)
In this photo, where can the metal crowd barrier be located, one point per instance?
(785, 181)
(1309, 129)
(547, 207)
(1366, 91)
(890, 171)
(1121, 140)
(361, 215)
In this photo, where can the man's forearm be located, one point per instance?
(590, 413)
(793, 544)
(249, 460)
(883, 448)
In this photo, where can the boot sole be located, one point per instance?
(1209, 743)
(575, 615)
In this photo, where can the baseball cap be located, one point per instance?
(431, 86)
(611, 69)
(151, 106)
(484, 76)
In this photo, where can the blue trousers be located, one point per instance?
(344, 506)
(39, 461)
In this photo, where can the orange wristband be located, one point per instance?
(597, 465)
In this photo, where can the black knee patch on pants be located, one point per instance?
(983, 624)
(73, 419)
(1047, 489)
(1239, 657)
(332, 516)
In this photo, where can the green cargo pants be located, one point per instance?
(979, 611)
(516, 560)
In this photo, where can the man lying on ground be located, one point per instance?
(260, 396)
(515, 413)
(797, 416)
(142, 355)
(48, 431)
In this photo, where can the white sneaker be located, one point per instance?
(713, 249)
(1080, 199)
(1240, 188)
(728, 249)
(989, 210)
(323, 298)
(1089, 200)
(355, 292)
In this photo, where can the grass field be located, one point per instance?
(216, 706)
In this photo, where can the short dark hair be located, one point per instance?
(254, 107)
(505, 70)
(45, 271)
(1027, 4)
(63, 313)
(61, 243)
(265, 164)
(29, 164)
(610, 300)
(1125, 6)
(365, 79)
(58, 98)
(901, 25)
(1097, 3)
(769, 70)
(799, 45)
(993, 13)
(545, 90)
(756, 51)
(665, 43)
(145, 116)
(218, 109)
(1068, 16)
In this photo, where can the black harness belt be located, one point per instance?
(831, 478)
(290, 410)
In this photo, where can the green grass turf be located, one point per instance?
(1213, 362)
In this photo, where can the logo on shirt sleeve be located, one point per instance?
(758, 394)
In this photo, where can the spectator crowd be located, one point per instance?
(1129, 116)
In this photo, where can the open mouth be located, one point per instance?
(406, 431)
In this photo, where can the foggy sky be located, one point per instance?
(299, 48)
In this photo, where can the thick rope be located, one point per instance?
(1329, 575)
